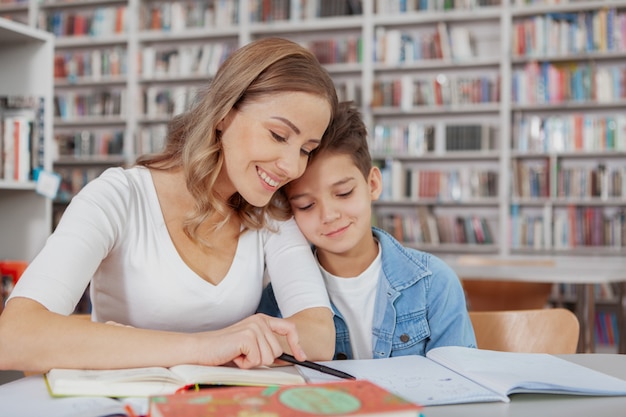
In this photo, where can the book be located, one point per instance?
(343, 398)
(143, 382)
(456, 375)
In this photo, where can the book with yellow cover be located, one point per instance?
(343, 398)
(143, 382)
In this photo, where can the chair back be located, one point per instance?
(497, 295)
(549, 330)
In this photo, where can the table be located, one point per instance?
(546, 405)
(28, 397)
(584, 272)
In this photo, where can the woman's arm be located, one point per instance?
(300, 291)
(311, 322)
(35, 339)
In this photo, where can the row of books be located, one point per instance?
(396, 46)
(531, 179)
(424, 227)
(73, 179)
(575, 226)
(539, 2)
(151, 138)
(167, 100)
(599, 182)
(440, 90)
(562, 293)
(184, 60)
(589, 226)
(98, 22)
(415, 139)
(350, 89)
(21, 137)
(185, 15)
(295, 10)
(337, 50)
(601, 30)
(69, 105)
(94, 64)
(403, 182)
(90, 143)
(403, 6)
(569, 132)
(546, 82)
(409, 138)
(605, 325)
(205, 58)
(606, 328)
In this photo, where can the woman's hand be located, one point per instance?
(250, 342)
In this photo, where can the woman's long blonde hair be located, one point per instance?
(264, 67)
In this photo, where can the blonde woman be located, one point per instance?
(174, 248)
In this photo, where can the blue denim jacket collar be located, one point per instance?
(402, 326)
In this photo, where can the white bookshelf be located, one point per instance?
(26, 68)
(490, 26)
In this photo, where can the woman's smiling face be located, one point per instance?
(266, 143)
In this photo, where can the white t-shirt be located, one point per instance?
(113, 235)
(355, 298)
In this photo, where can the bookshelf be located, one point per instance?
(91, 87)
(26, 68)
(438, 119)
(569, 141)
(445, 90)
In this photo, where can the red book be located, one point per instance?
(342, 398)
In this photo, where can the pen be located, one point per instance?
(318, 367)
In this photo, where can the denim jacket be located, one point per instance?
(419, 305)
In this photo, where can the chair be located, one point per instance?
(548, 330)
(496, 295)
(501, 294)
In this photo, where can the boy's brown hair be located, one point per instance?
(347, 135)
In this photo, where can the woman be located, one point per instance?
(175, 247)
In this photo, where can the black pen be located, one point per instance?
(318, 367)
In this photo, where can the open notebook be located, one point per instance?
(453, 375)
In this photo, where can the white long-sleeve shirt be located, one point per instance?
(113, 235)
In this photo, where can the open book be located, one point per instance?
(453, 375)
(143, 382)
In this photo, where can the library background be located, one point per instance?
(498, 124)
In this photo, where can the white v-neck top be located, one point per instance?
(113, 235)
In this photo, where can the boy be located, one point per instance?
(388, 300)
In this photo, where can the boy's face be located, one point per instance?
(331, 203)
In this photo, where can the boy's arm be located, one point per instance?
(316, 331)
(448, 317)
